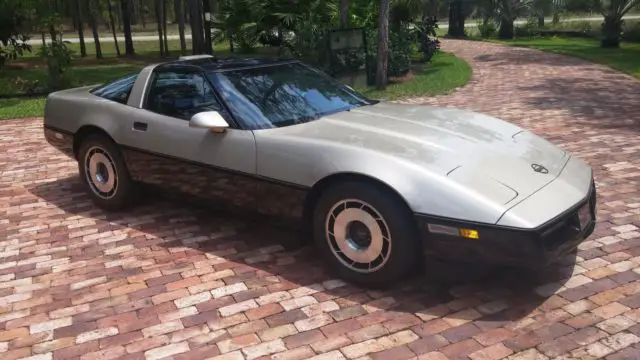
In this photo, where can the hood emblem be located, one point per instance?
(539, 168)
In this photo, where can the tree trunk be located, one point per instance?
(158, 11)
(611, 29)
(128, 39)
(119, 16)
(196, 27)
(206, 9)
(113, 28)
(556, 15)
(44, 38)
(456, 19)
(344, 13)
(541, 18)
(133, 11)
(177, 8)
(53, 33)
(180, 15)
(94, 28)
(506, 29)
(383, 45)
(164, 27)
(143, 16)
(433, 8)
(230, 37)
(80, 27)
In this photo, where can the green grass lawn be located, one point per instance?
(444, 74)
(626, 58)
(21, 108)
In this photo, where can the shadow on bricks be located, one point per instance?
(264, 260)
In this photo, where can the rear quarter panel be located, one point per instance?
(69, 110)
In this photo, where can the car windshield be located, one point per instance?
(283, 95)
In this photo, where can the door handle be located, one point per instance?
(139, 126)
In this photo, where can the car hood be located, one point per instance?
(485, 154)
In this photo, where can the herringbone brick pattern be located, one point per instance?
(167, 280)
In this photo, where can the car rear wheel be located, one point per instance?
(366, 234)
(103, 171)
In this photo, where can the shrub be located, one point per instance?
(487, 28)
(13, 29)
(58, 58)
(585, 26)
(400, 50)
(425, 34)
(528, 29)
(401, 46)
(631, 32)
(28, 87)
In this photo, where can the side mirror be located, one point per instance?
(211, 120)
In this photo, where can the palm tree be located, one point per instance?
(126, 20)
(113, 27)
(94, 27)
(383, 45)
(543, 7)
(508, 11)
(613, 11)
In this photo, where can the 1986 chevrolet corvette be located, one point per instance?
(378, 184)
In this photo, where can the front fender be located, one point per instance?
(427, 192)
(306, 162)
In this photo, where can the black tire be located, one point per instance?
(405, 251)
(125, 193)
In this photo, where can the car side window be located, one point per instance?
(118, 90)
(182, 95)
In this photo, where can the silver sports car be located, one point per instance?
(379, 184)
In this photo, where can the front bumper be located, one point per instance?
(502, 245)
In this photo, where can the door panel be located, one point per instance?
(173, 155)
(161, 149)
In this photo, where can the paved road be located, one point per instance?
(168, 280)
(188, 36)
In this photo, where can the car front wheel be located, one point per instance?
(103, 171)
(367, 234)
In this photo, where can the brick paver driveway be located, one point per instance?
(169, 280)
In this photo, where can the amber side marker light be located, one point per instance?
(469, 233)
(450, 230)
